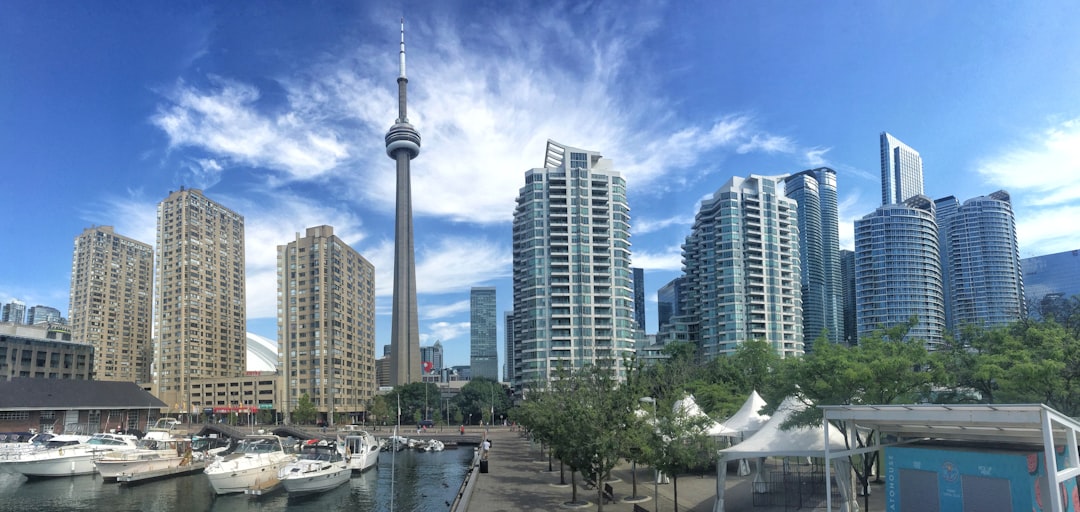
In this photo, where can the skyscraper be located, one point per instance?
(669, 301)
(433, 354)
(1051, 282)
(741, 263)
(981, 261)
(573, 290)
(111, 302)
(483, 342)
(326, 323)
(847, 270)
(14, 312)
(200, 308)
(819, 253)
(901, 171)
(402, 145)
(508, 346)
(898, 271)
(43, 315)
(639, 298)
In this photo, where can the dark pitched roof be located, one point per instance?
(28, 393)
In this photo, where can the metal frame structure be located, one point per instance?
(1033, 424)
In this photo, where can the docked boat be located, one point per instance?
(150, 455)
(430, 445)
(361, 449)
(256, 459)
(66, 455)
(14, 444)
(319, 467)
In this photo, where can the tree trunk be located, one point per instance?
(562, 474)
(573, 485)
(675, 488)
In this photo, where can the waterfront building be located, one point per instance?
(44, 315)
(742, 269)
(111, 303)
(326, 323)
(901, 171)
(573, 290)
(382, 372)
(245, 395)
(14, 312)
(847, 271)
(1051, 283)
(65, 405)
(200, 299)
(483, 340)
(898, 272)
(403, 145)
(980, 259)
(814, 191)
(43, 352)
(639, 298)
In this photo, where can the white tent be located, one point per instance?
(773, 441)
(747, 419)
(688, 407)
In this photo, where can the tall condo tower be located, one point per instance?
(402, 145)
(573, 289)
(819, 253)
(200, 297)
(111, 297)
(898, 272)
(483, 342)
(901, 171)
(741, 263)
(326, 324)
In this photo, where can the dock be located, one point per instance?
(145, 476)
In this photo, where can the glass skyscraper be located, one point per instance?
(639, 298)
(819, 253)
(668, 301)
(1050, 281)
(483, 344)
(898, 272)
(980, 261)
(573, 288)
(742, 269)
(901, 171)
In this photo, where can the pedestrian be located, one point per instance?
(463, 430)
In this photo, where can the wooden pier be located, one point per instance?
(145, 476)
(263, 488)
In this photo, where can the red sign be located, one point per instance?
(427, 366)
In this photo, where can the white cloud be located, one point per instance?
(815, 157)
(456, 264)
(643, 225)
(431, 312)
(443, 331)
(670, 259)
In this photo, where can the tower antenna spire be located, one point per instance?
(402, 52)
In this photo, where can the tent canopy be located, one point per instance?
(747, 418)
(772, 440)
(688, 407)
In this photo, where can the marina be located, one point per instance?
(422, 482)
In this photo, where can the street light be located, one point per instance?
(656, 481)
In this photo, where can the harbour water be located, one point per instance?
(425, 482)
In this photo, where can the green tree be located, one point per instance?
(305, 411)
(677, 444)
(482, 396)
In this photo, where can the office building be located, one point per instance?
(403, 145)
(669, 300)
(847, 271)
(741, 263)
(40, 352)
(14, 312)
(901, 171)
(326, 324)
(573, 289)
(1051, 283)
(814, 191)
(44, 315)
(898, 272)
(508, 346)
(432, 354)
(984, 284)
(200, 308)
(639, 298)
(483, 340)
(111, 303)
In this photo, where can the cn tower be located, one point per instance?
(403, 144)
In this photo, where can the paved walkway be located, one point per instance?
(519, 480)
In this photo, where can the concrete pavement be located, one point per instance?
(518, 480)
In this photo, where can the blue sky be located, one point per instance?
(278, 110)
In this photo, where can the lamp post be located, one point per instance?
(656, 481)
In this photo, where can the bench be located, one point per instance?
(609, 493)
(639, 508)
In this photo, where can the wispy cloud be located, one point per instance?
(1043, 178)
(433, 312)
(443, 331)
(670, 259)
(644, 225)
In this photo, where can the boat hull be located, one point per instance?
(231, 476)
(72, 465)
(110, 469)
(322, 480)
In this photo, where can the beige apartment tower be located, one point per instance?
(200, 313)
(326, 325)
(111, 298)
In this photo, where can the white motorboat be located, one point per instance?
(150, 455)
(431, 445)
(319, 467)
(361, 449)
(15, 444)
(69, 455)
(256, 459)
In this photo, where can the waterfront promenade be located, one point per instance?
(518, 480)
